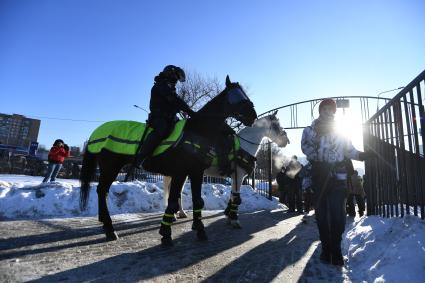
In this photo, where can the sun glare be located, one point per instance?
(351, 127)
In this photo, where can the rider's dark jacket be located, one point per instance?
(165, 103)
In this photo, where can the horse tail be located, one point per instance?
(87, 172)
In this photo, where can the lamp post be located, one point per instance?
(385, 91)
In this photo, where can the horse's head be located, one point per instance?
(238, 105)
(274, 131)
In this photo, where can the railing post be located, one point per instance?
(253, 177)
(269, 164)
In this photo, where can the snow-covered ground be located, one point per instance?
(378, 249)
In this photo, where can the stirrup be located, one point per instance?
(137, 163)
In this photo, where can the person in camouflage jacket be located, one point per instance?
(327, 150)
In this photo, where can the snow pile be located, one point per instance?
(22, 196)
(386, 249)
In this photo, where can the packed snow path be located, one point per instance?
(271, 246)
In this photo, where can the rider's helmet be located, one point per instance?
(174, 73)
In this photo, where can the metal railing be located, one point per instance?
(395, 181)
(262, 176)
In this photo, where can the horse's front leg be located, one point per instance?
(198, 205)
(235, 200)
(172, 207)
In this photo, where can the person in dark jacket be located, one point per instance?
(307, 188)
(295, 185)
(355, 191)
(327, 151)
(164, 105)
(57, 155)
(283, 182)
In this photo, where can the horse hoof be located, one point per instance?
(182, 214)
(166, 242)
(202, 236)
(112, 236)
(235, 224)
(198, 226)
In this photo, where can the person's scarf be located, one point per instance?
(323, 127)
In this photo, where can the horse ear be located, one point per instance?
(274, 113)
(228, 82)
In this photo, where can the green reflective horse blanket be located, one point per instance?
(124, 137)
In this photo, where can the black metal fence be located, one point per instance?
(261, 179)
(395, 182)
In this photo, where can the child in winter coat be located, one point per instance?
(57, 155)
(355, 191)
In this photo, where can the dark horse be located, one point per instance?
(175, 162)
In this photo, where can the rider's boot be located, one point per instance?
(148, 146)
(223, 163)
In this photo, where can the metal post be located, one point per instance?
(270, 169)
(253, 177)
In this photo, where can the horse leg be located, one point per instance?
(182, 213)
(104, 217)
(167, 184)
(198, 205)
(108, 172)
(235, 200)
(177, 182)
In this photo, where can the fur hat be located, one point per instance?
(57, 141)
(327, 101)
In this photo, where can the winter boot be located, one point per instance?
(223, 164)
(325, 255)
(337, 258)
(147, 147)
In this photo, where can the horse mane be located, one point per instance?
(215, 105)
(210, 115)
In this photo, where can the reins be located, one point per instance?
(250, 142)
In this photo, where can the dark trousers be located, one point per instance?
(282, 196)
(351, 206)
(308, 201)
(331, 197)
(295, 199)
(52, 172)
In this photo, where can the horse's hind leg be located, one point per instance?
(167, 184)
(108, 172)
(177, 182)
(198, 204)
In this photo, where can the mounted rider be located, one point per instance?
(164, 105)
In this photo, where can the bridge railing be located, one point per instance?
(395, 182)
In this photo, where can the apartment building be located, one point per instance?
(18, 130)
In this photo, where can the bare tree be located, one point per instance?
(198, 90)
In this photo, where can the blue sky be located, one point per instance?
(92, 60)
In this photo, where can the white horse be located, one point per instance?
(250, 141)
